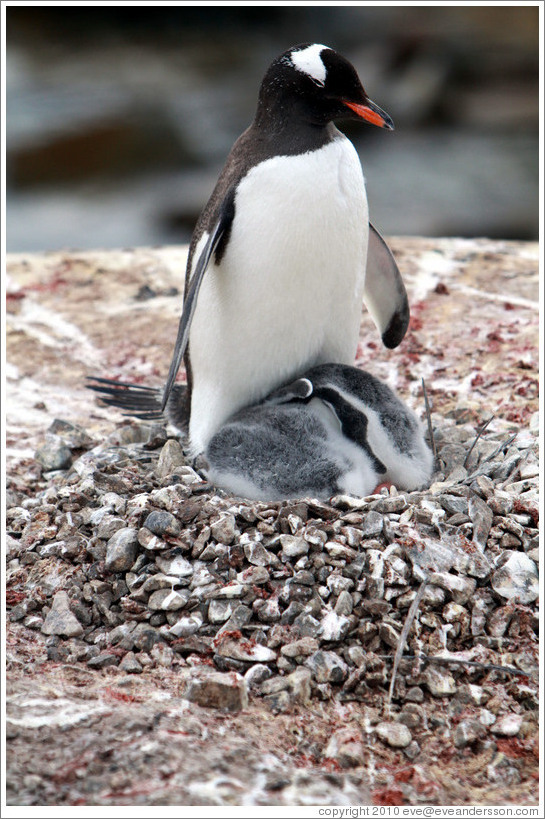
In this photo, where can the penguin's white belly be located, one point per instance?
(288, 291)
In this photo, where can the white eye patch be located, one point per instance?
(310, 63)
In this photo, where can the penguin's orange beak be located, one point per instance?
(372, 113)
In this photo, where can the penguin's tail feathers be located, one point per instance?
(138, 401)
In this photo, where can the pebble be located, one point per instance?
(299, 685)
(60, 619)
(174, 564)
(150, 541)
(246, 651)
(346, 748)
(213, 689)
(121, 550)
(258, 555)
(327, 667)
(394, 734)
(54, 455)
(223, 530)
(461, 588)
(220, 610)
(517, 578)
(467, 732)
(162, 523)
(255, 575)
(168, 599)
(300, 648)
(440, 682)
(507, 726)
(170, 460)
(372, 525)
(293, 547)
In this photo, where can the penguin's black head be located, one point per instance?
(314, 83)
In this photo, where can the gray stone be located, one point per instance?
(214, 689)
(168, 599)
(412, 750)
(293, 547)
(187, 625)
(220, 610)
(300, 648)
(170, 460)
(372, 524)
(54, 455)
(299, 685)
(72, 435)
(440, 682)
(258, 555)
(395, 734)
(223, 530)
(256, 675)
(103, 660)
(481, 515)
(108, 526)
(461, 588)
(337, 583)
(239, 618)
(305, 625)
(255, 575)
(60, 619)
(174, 564)
(334, 626)
(121, 550)
(346, 748)
(344, 604)
(245, 651)
(327, 667)
(508, 725)
(162, 523)
(517, 578)
(467, 732)
(268, 611)
(151, 542)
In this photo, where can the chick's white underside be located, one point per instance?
(288, 291)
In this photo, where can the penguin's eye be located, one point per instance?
(319, 83)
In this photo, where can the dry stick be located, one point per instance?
(430, 428)
(490, 457)
(411, 614)
(480, 432)
(427, 658)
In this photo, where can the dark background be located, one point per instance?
(120, 118)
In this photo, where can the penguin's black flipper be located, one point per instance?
(384, 295)
(216, 243)
(141, 402)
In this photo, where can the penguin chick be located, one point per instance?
(335, 430)
(283, 253)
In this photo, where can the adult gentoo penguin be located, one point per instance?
(334, 429)
(283, 253)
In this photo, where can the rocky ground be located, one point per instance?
(171, 645)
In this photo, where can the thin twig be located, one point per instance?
(480, 432)
(508, 669)
(477, 471)
(430, 428)
(411, 614)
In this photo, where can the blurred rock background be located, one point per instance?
(119, 118)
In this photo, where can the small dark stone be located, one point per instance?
(162, 523)
(103, 660)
